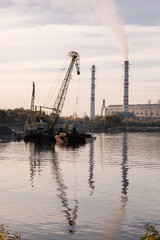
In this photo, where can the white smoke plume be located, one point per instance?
(106, 11)
(109, 11)
(103, 11)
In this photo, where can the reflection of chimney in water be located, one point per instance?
(124, 165)
(91, 167)
(115, 224)
(126, 78)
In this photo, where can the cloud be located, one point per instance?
(103, 11)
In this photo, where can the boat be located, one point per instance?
(88, 137)
(38, 133)
(39, 138)
(69, 138)
(72, 137)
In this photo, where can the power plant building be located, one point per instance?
(139, 111)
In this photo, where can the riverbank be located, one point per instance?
(7, 134)
(128, 129)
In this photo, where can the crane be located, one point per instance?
(43, 131)
(57, 108)
(103, 107)
(33, 97)
(58, 105)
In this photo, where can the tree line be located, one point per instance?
(18, 117)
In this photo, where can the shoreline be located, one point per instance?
(128, 129)
(7, 135)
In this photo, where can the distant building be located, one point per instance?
(139, 111)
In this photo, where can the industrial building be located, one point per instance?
(139, 111)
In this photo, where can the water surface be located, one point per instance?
(106, 189)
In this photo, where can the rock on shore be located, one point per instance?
(7, 134)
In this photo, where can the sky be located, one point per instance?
(36, 37)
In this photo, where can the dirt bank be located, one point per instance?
(7, 134)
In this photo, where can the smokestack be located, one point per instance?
(92, 113)
(126, 76)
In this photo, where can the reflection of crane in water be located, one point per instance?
(70, 214)
(115, 224)
(35, 159)
(91, 167)
(35, 162)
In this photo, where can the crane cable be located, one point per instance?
(55, 84)
(77, 97)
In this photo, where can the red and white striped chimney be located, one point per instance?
(92, 112)
(126, 84)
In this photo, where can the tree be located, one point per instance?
(112, 120)
(65, 125)
(3, 117)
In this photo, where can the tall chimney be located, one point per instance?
(92, 112)
(126, 76)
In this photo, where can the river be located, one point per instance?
(104, 190)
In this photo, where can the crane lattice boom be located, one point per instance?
(57, 108)
(33, 97)
(103, 107)
(64, 87)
